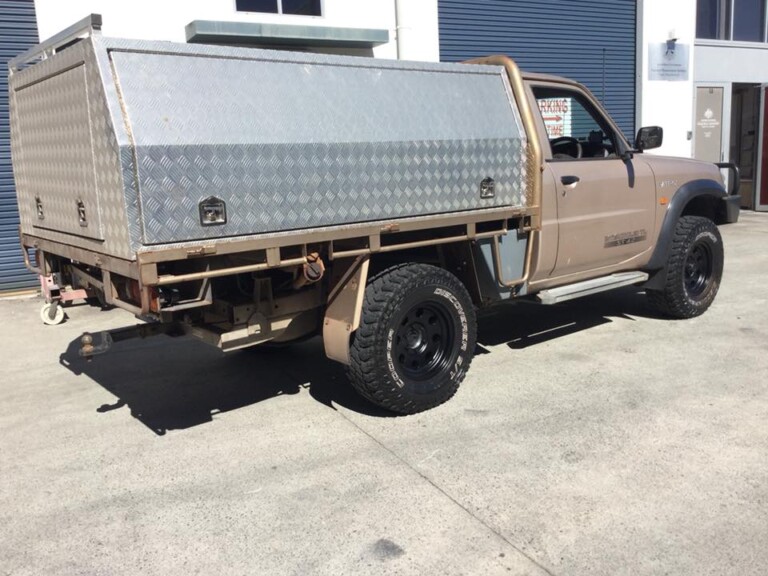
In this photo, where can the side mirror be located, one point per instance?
(649, 137)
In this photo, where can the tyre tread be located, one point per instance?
(362, 370)
(671, 300)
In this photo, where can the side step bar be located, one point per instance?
(588, 287)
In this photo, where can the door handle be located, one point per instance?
(570, 180)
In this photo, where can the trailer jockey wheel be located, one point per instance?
(52, 313)
(416, 338)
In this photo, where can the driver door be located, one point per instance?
(605, 205)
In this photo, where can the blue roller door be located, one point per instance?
(18, 31)
(592, 41)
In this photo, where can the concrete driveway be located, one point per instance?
(589, 438)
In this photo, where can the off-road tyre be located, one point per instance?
(416, 338)
(694, 269)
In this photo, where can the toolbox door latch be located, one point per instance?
(213, 211)
(487, 188)
(81, 214)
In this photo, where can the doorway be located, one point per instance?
(761, 198)
(745, 141)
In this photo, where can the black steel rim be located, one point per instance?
(698, 269)
(424, 342)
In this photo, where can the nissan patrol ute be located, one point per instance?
(247, 197)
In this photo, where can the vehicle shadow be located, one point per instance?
(523, 324)
(178, 383)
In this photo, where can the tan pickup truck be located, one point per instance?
(247, 197)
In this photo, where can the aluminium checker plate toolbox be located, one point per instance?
(119, 145)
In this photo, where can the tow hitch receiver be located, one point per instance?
(92, 344)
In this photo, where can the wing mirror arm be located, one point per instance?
(628, 154)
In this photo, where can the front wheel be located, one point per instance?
(416, 338)
(694, 269)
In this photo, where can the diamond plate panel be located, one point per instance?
(61, 173)
(271, 188)
(39, 163)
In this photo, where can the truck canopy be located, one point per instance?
(119, 145)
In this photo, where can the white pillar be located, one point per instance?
(666, 103)
(417, 30)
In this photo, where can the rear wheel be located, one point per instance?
(694, 269)
(416, 338)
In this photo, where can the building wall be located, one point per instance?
(725, 63)
(591, 41)
(165, 20)
(417, 30)
(18, 32)
(658, 102)
(718, 61)
(666, 103)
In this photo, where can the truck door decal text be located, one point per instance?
(624, 238)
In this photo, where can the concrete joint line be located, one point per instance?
(476, 518)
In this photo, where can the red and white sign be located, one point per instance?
(556, 113)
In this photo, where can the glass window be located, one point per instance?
(298, 7)
(749, 20)
(708, 19)
(574, 127)
(303, 7)
(269, 6)
(713, 19)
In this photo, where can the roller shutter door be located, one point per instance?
(18, 31)
(592, 41)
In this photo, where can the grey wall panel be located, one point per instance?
(18, 31)
(174, 100)
(592, 41)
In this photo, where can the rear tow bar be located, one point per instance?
(93, 344)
